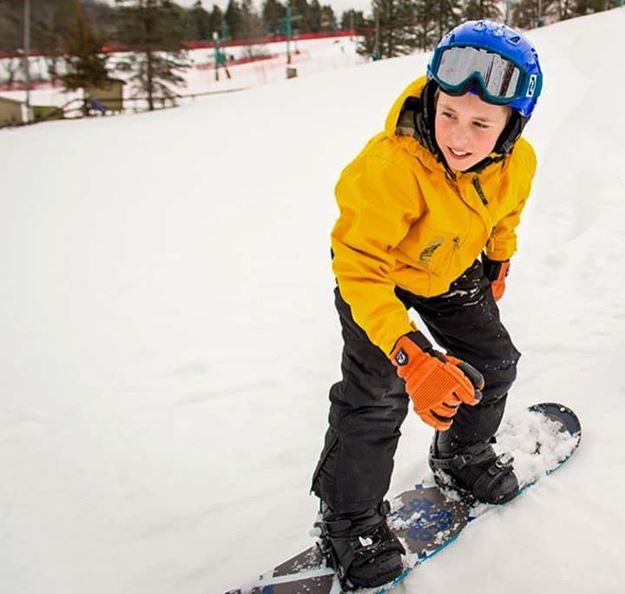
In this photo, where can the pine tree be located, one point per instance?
(328, 18)
(251, 28)
(232, 18)
(216, 22)
(436, 18)
(50, 24)
(555, 10)
(426, 12)
(199, 22)
(396, 32)
(582, 7)
(300, 12)
(314, 17)
(562, 10)
(153, 31)
(448, 15)
(86, 64)
(101, 17)
(11, 15)
(482, 9)
(352, 19)
(273, 13)
(11, 38)
(524, 14)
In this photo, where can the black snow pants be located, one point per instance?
(368, 406)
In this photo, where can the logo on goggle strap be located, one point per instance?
(531, 88)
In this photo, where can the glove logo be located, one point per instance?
(401, 357)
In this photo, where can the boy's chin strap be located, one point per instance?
(510, 134)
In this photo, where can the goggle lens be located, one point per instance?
(500, 79)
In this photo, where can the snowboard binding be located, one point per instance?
(361, 548)
(477, 472)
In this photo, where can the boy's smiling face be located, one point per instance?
(467, 128)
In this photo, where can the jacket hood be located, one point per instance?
(414, 89)
(407, 126)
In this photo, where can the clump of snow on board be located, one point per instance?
(537, 443)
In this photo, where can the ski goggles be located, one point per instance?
(500, 80)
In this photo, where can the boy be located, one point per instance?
(443, 185)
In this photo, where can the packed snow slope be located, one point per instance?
(168, 335)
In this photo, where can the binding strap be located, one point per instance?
(494, 467)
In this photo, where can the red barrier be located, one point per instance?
(34, 84)
(112, 48)
(272, 39)
(238, 61)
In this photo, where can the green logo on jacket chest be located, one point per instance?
(425, 257)
(426, 254)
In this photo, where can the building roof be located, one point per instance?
(10, 101)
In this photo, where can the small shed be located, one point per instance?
(11, 112)
(110, 95)
(45, 113)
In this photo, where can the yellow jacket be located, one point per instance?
(404, 223)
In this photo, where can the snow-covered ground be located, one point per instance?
(168, 335)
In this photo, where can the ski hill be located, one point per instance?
(169, 338)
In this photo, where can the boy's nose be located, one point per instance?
(460, 137)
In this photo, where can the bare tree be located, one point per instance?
(251, 26)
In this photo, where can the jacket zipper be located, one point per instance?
(478, 189)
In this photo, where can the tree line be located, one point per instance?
(392, 27)
(51, 19)
(399, 27)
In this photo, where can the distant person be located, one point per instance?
(428, 218)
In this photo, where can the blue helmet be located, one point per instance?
(491, 59)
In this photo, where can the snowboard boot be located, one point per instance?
(360, 548)
(475, 469)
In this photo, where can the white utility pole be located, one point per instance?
(26, 62)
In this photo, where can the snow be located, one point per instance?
(519, 434)
(169, 335)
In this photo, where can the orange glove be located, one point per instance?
(437, 383)
(496, 273)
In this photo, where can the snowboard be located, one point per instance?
(430, 517)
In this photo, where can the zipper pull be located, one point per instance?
(478, 189)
